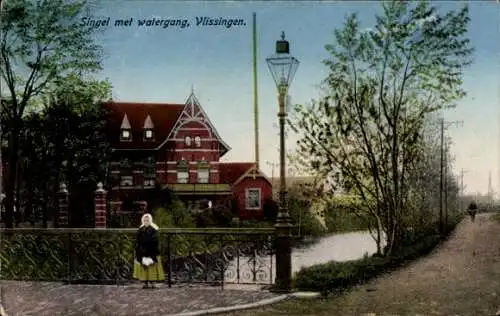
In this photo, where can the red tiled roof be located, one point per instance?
(163, 116)
(229, 172)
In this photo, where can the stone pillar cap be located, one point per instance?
(100, 188)
(63, 188)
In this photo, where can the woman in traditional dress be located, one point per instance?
(147, 264)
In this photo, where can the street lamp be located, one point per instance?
(283, 67)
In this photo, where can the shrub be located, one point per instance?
(302, 217)
(175, 216)
(271, 208)
(331, 276)
(340, 214)
(222, 216)
(163, 219)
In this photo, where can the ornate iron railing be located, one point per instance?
(214, 256)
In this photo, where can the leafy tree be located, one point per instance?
(41, 42)
(366, 133)
(66, 142)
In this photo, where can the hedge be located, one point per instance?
(338, 276)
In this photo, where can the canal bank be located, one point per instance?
(463, 270)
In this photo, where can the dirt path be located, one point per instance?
(461, 277)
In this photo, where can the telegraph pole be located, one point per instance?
(441, 178)
(255, 92)
(272, 165)
(446, 185)
(462, 172)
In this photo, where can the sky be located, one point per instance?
(158, 64)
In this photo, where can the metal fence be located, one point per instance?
(106, 256)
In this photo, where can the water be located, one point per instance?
(339, 247)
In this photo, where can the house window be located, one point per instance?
(126, 176)
(148, 134)
(125, 135)
(252, 199)
(126, 181)
(203, 172)
(187, 141)
(149, 172)
(203, 176)
(182, 172)
(197, 141)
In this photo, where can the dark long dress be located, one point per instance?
(147, 246)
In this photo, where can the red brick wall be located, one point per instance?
(239, 196)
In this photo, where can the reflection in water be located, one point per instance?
(341, 247)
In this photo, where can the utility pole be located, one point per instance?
(462, 172)
(490, 191)
(441, 173)
(441, 178)
(446, 185)
(255, 91)
(273, 165)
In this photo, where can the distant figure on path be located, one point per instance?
(472, 210)
(147, 264)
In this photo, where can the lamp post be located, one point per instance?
(283, 67)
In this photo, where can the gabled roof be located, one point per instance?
(193, 111)
(163, 116)
(148, 123)
(229, 172)
(125, 123)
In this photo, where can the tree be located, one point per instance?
(41, 42)
(366, 133)
(66, 142)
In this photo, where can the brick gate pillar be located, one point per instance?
(62, 219)
(100, 206)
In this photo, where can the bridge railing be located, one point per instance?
(106, 256)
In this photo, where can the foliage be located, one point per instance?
(365, 136)
(42, 42)
(341, 214)
(176, 215)
(65, 142)
(271, 209)
(222, 216)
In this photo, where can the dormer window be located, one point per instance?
(187, 141)
(197, 141)
(148, 129)
(125, 134)
(125, 130)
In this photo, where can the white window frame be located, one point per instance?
(184, 178)
(127, 138)
(188, 141)
(203, 171)
(126, 180)
(148, 134)
(197, 141)
(247, 191)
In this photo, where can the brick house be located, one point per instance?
(175, 147)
